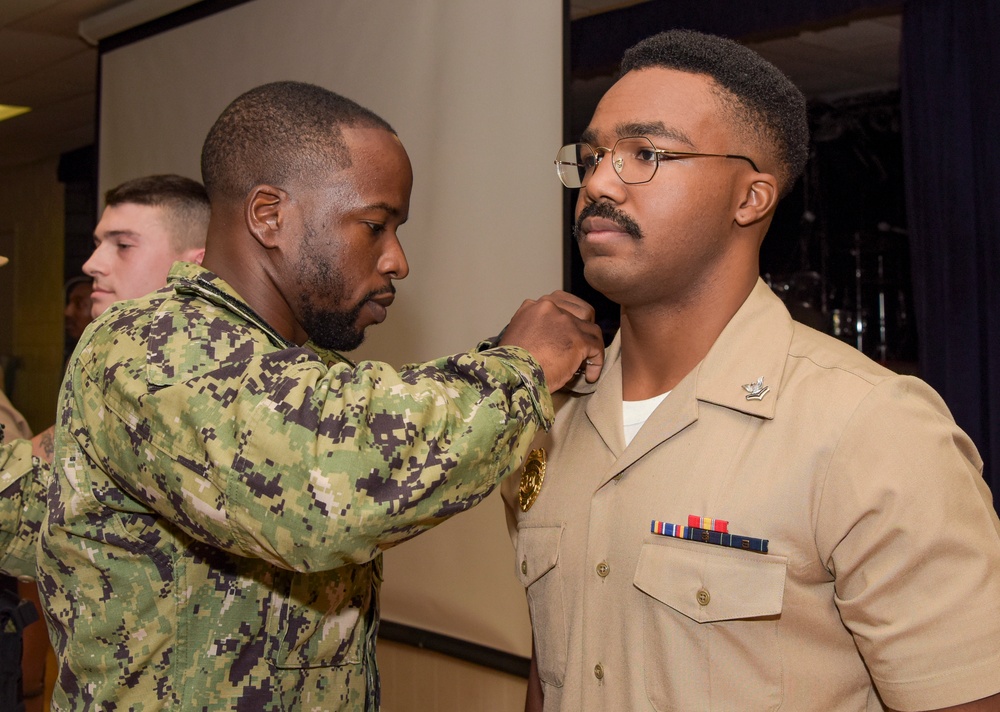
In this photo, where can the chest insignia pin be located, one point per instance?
(756, 391)
(531, 479)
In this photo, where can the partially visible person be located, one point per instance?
(15, 437)
(225, 479)
(744, 513)
(34, 637)
(148, 224)
(77, 313)
(13, 423)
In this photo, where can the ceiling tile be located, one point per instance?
(25, 52)
(69, 77)
(583, 8)
(851, 36)
(14, 10)
(61, 18)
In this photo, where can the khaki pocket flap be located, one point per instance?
(537, 552)
(711, 583)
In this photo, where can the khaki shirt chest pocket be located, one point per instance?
(537, 555)
(710, 631)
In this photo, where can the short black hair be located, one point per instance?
(279, 132)
(184, 202)
(764, 101)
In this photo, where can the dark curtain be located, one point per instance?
(950, 88)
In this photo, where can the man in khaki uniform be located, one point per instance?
(744, 514)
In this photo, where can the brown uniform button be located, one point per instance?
(599, 671)
(603, 569)
(703, 597)
(524, 567)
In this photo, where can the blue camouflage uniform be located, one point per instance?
(221, 498)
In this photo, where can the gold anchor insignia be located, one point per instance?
(756, 391)
(531, 479)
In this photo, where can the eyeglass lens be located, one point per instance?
(634, 160)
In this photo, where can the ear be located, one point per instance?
(264, 213)
(759, 200)
(195, 255)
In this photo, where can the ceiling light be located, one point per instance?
(9, 112)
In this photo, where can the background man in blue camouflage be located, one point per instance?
(225, 480)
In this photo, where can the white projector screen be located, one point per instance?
(474, 89)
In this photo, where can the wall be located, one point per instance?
(31, 320)
(415, 680)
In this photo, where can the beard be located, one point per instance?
(333, 329)
(323, 284)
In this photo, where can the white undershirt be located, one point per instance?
(635, 413)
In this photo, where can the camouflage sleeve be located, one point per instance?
(310, 466)
(24, 482)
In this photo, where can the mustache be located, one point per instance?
(608, 212)
(388, 289)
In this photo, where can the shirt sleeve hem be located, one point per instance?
(966, 684)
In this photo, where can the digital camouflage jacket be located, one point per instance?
(24, 482)
(221, 497)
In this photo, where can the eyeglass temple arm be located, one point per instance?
(682, 154)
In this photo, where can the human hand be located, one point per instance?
(559, 331)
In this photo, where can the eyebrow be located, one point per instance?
(386, 207)
(114, 233)
(391, 209)
(642, 128)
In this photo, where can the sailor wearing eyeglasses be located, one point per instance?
(743, 513)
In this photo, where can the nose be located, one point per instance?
(603, 182)
(393, 261)
(95, 264)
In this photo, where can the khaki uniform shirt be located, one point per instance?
(882, 574)
(221, 498)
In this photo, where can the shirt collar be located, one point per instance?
(744, 368)
(752, 349)
(188, 278)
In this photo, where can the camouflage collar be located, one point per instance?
(190, 278)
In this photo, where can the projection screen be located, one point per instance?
(475, 91)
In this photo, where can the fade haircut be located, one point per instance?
(184, 202)
(277, 133)
(766, 105)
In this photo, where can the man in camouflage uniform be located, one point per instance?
(147, 225)
(225, 480)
